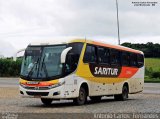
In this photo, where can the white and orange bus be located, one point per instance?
(79, 69)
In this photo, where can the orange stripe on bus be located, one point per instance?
(43, 83)
(127, 72)
(116, 47)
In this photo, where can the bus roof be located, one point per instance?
(94, 42)
(109, 45)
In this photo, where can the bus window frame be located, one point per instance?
(88, 62)
(138, 65)
(72, 52)
(135, 66)
(120, 58)
(103, 63)
(119, 61)
(128, 54)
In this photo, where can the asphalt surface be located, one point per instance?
(146, 102)
(9, 82)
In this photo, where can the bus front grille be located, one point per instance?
(37, 88)
(37, 93)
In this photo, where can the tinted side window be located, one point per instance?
(90, 54)
(114, 57)
(133, 59)
(76, 51)
(140, 60)
(103, 55)
(76, 47)
(73, 57)
(125, 58)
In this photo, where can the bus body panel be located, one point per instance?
(97, 85)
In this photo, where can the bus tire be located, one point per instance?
(46, 101)
(124, 95)
(82, 98)
(95, 98)
(117, 97)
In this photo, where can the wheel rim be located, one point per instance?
(125, 93)
(81, 96)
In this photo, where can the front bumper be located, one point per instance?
(54, 93)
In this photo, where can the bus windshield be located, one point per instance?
(42, 62)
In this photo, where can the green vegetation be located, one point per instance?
(149, 49)
(151, 80)
(9, 68)
(152, 70)
(153, 63)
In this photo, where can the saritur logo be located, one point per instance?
(100, 70)
(106, 71)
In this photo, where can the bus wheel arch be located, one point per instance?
(125, 91)
(124, 94)
(85, 85)
(126, 84)
(82, 94)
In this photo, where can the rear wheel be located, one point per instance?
(124, 94)
(96, 98)
(82, 98)
(46, 101)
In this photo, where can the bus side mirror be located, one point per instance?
(64, 54)
(15, 55)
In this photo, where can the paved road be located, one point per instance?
(9, 82)
(152, 88)
(146, 102)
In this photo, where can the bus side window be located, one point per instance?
(73, 57)
(76, 50)
(90, 54)
(103, 55)
(115, 57)
(125, 59)
(140, 60)
(133, 60)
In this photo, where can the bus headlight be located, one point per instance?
(24, 86)
(57, 85)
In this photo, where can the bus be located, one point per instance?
(80, 68)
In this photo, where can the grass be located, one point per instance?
(152, 64)
(151, 80)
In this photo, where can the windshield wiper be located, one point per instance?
(44, 66)
(31, 71)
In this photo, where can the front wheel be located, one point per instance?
(82, 98)
(46, 101)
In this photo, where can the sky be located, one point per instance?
(25, 21)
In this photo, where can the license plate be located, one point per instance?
(32, 82)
